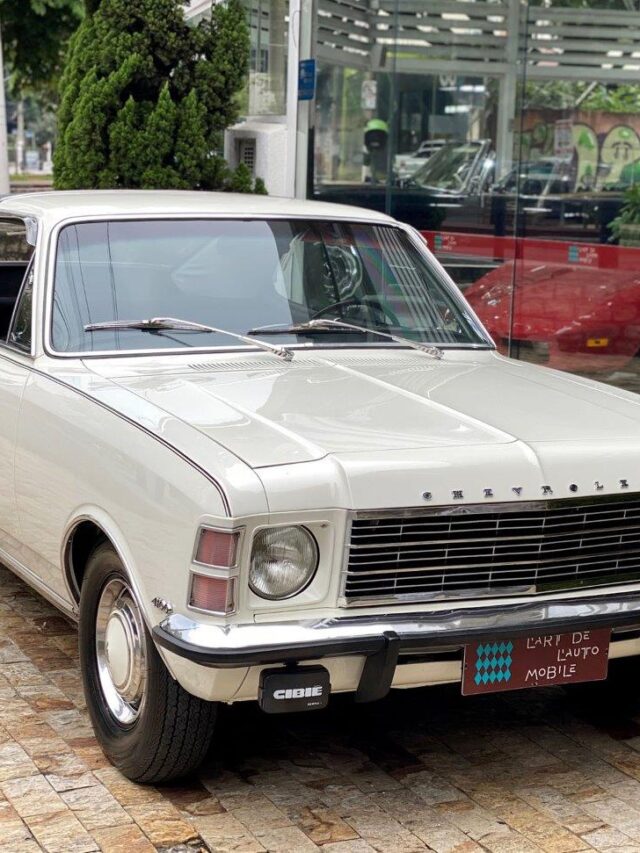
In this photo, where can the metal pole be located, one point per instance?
(4, 149)
(306, 109)
(20, 138)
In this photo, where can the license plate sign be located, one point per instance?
(491, 666)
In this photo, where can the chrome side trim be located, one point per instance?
(150, 433)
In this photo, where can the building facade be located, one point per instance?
(507, 132)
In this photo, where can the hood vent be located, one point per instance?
(387, 360)
(270, 364)
(303, 359)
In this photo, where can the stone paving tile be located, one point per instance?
(32, 795)
(60, 832)
(532, 772)
(122, 839)
(95, 807)
(223, 833)
(162, 823)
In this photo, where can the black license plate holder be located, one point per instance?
(286, 691)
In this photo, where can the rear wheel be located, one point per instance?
(148, 726)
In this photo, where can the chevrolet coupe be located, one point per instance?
(263, 450)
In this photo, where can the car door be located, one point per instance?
(17, 271)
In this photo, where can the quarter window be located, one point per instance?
(17, 240)
(20, 334)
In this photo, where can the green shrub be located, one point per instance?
(145, 98)
(629, 212)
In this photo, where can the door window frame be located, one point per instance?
(27, 281)
(32, 229)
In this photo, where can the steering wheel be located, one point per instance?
(368, 300)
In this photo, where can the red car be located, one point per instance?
(569, 317)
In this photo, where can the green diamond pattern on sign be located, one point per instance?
(493, 663)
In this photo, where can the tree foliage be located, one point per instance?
(34, 34)
(145, 98)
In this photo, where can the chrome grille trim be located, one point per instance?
(497, 549)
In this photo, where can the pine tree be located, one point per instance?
(145, 98)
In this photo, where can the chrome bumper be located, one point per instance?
(382, 638)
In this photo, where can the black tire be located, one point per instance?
(173, 730)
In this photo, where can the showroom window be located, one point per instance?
(509, 134)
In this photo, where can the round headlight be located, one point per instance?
(283, 562)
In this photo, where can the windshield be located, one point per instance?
(548, 176)
(449, 167)
(243, 275)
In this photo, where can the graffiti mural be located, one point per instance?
(603, 151)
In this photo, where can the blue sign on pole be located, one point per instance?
(306, 79)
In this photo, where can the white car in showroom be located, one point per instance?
(262, 449)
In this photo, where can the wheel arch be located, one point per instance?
(83, 534)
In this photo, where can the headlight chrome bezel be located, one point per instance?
(311, 572)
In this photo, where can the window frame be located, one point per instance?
(240, 349)
(29, 279)
(5, 343)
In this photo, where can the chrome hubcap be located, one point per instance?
(121, 652)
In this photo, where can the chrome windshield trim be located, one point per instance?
(485, 341)
(241, 350)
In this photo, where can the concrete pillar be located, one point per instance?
(507, 92)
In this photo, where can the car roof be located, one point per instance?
(59, 206)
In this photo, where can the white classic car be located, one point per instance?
(404, 165)
(263, 449)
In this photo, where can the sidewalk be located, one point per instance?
(422, 770)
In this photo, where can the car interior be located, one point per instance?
(11, 277)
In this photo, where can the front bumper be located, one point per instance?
(382, 638)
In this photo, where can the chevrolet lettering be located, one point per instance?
(262, 450)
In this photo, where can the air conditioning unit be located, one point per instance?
(262, 146)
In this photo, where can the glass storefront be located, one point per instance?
(265, 93)
(509, 134)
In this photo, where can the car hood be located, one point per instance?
(366, 403)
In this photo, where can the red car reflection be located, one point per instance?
(569, 317)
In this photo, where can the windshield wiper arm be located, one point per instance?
(310, 325)
(171, 324)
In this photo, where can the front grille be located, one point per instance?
(477, 550)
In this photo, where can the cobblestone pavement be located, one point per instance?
(423, 770)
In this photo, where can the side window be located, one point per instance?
(20, 333)
(17, 243)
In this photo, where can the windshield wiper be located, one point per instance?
(325, 325)
(171, 324)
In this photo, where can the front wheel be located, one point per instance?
(147, 725)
